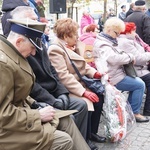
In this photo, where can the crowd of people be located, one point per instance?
(43, 101)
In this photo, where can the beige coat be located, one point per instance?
(66, 72)
(20, 127)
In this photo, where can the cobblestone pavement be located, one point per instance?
(137, 139)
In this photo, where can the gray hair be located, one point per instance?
(22, 12)
(140, 8)
(13, 36)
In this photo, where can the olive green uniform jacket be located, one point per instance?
(20, 127)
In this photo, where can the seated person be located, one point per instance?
(88, 38)
(90, 34)
(24, 128)
(106, 44)
(130, 39)
(67, 45)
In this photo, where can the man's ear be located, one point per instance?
(19, 41)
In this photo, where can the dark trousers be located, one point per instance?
(81, 117)
(146, 79)
(94, 117)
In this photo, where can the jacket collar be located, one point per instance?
(13, 53)
(74, 55)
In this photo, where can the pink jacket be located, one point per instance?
(88, 38)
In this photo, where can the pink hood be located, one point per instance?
(88, 38)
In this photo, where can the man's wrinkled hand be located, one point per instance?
(47, 113)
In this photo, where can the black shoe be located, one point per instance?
(140, 120)
(97, 138)
(92, 145)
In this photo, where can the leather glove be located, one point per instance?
(59, 104)
(66, 100)
(91, 96)
(38, 105)
(34, 105)
(97, 75)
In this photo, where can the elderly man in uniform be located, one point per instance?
(24, 128)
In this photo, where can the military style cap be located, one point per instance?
(139, 3)
(31, 29)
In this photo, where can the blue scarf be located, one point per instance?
(108, 37)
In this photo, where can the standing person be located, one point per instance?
(131, 9)
(45, 37)
(34, 4)
(40, 128)
(66, 45)
(38, 6)
(130, 39)
(85, 21)
(111, 13)
(47, 87)
(122, 14)
(100, 23)
(148, 12)
(7, 7)
(141, 20)
(106, 43)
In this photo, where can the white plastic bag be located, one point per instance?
(119, 118)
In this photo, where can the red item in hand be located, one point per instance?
(97, 75)
(91, 96)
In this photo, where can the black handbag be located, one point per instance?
(94, 85)
(130, 70)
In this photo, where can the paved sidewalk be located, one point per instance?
(137, 139)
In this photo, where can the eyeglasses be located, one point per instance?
(117, 34)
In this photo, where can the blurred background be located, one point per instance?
(55, 9)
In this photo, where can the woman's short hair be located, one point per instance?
(65, 27)
(129, 27)
(91, 28)
(115, 24)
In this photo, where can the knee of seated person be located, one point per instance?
(65, 142)
(141, 83)
(83, 104)
(67, 120)
(68, 142)
(72, 117)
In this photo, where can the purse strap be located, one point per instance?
(73, 65)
